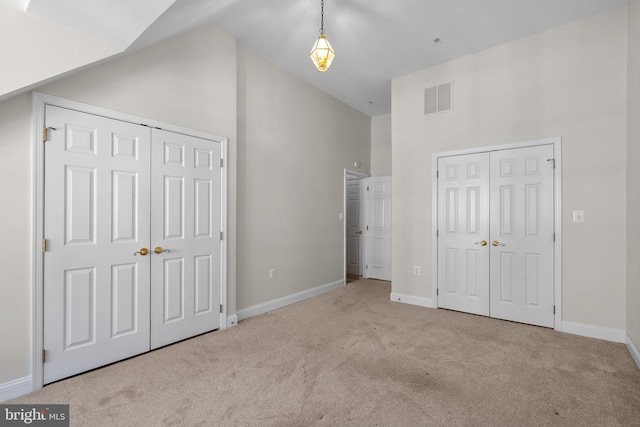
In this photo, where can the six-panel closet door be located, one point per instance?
(185, 224)
(495, 234)
(522, 235)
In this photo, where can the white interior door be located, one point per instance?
(354, 231)
(496, 234)
(463, 233)
(378, 228)
(522, 235)
(96, 291)
(186, 226)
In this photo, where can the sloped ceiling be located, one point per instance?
(375, 41)
(117, 23)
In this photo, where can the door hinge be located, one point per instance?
(220, 308)
(554, 309)
(367, 188)
(44, 356)
(437, 233)
(437, 291)
(554, 236)
(437, 174)
(44, 245)
(553, 161)
(367, 266)
(367, 228)
(45, 133)
(222, 235)
(221, 163)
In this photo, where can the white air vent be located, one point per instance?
(438, 98)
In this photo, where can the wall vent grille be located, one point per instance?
(438, 98)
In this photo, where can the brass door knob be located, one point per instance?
(496, 243)
(143, 252)
(158, 250)
(482, 243)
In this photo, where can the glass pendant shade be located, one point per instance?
(322, 54)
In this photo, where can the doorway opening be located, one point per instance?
(353, 249)
(367, 226)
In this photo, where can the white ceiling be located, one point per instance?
(375, 41)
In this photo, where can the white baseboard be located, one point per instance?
(633, 349)
(14, 389)
(232, 321)
(600, 332)
(265, 307)
(413, 300)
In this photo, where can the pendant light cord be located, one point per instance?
(321, 17)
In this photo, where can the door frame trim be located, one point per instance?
(557, 221)
(40, 101)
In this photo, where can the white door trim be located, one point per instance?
(557, 153)
(40, 100)
(348, 172)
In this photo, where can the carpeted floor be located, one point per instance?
(352, 357)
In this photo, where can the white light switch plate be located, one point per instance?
(578, 216)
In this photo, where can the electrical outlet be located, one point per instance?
(272, 273)
(416, 270)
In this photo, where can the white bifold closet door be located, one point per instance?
(496, 234)
(132, 231)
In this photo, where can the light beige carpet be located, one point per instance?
(352, 357)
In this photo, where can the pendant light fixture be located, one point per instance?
(322, 54)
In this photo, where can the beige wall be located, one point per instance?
(568, 82)
(34, 49)
(381, 145)
(15, 229)
(188, 81)
(294, 142)
(633, 176)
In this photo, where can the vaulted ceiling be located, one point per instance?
(375, 41)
